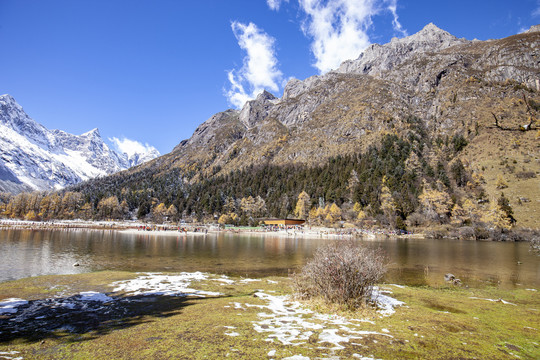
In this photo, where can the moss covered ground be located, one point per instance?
(253, 320)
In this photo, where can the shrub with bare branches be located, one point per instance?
(343, 273)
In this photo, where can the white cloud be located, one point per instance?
(339, 28)
(536, 12)
(392, 6)
(259, 71)
(275, 4)
(132, 147)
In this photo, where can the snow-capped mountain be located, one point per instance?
(35, 158)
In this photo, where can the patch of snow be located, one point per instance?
(531, 289)
(272, 353)
(296, 357)
(245, 281)
(357, 356)
(232, 333)
(9, 306)
(291, 324)
(272, 282)
(6, 355)
(238, 306)
(385, 303)
(160, 284)
(493, 300)
(94, 296)
(225, 279)
(331, 336)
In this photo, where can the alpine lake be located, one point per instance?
(411, 261)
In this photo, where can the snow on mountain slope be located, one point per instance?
(35, 158)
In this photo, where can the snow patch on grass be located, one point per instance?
(246, 281)
(94, 296)
(289, 323)
(9, 306)
(385, 303)
(8, 355)
(161, 284)
(493, 300)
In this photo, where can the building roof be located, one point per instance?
(284, 221)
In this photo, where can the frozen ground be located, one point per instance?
(288, 322)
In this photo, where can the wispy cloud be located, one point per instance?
(259, 71)
(339, 28)
(132, 147)
(392, 7)
(536, 12)
(275, 4)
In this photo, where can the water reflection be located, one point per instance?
(412, 261)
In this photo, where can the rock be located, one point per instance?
(534, 28)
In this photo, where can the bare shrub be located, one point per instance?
(466, 233)
(526, 175)
(416, 219)
(342, 273)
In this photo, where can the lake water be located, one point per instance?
(27, 253)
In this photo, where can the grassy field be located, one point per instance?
(255, 319)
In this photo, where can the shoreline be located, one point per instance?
(139, 228)
(310, 232)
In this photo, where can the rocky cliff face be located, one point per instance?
(35, 158)
(451, 84)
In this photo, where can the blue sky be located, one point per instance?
(152, 71)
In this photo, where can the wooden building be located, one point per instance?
(284, 222)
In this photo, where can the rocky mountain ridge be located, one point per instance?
(432, 75)
(35, 158)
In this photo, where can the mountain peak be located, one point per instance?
(432, 32)
(431, 27)
(34, 157)
(255, 110)
(377, 59)
(9, 101)
(265, 95)
(534, 28)
(92, 133)
(7, 98)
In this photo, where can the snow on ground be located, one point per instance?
(385, 303)
(8, 355)
(9, 306)
(161, 284)
(289, 323)
(94, 296)
(493, 300)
